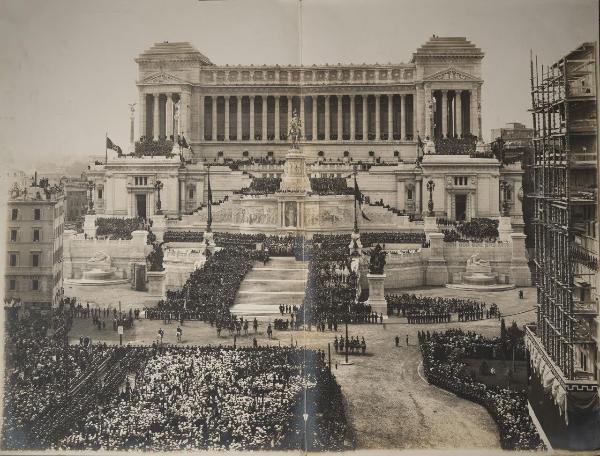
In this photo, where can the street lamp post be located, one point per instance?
(91, 187)
(158, 187)
(430, 189)
(504, 208)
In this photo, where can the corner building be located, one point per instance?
(351, 110)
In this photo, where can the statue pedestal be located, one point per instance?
(295, 177)
(156, 283)
(377, 293)
(504, 228)
(89, 226)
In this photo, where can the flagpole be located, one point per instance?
(355, 200)
(106, 148)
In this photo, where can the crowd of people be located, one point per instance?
(183, 236)
(443, 365)
(331, 290)
(370, 239)
(261, 186)
(210, 291)
(476, 230)
(353, 345)
(118, 228)
(429, 309)
(455, 145)
(330, 186)
(217, 398)
(42, 373)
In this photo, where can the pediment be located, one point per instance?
(163, 78)
(451, 74)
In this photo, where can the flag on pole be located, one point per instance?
(358, 196)
(113, 146)
(182, 142)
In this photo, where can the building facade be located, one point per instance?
(34, 246)
(354, 108)
(564, 343)
(383, 110)
(76, 198)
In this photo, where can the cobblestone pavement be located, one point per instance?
(390, 405)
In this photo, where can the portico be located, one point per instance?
(362, 109)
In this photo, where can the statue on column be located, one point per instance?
(295, 130)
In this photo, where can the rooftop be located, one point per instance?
(180, 49)
(448, 46)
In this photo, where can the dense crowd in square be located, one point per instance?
(444, 366)
(428, 309)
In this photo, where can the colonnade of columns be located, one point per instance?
(158, 117)
(453, 113)
(380, 117)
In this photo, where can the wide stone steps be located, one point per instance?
(281, 281)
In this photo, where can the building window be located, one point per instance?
(191, 193)
(15, 214)
(35, 260)
(12, 285)
(36, 235)
(409, 193)
(35, 284)
(12, 259)
(37, 213)
(13, 235)
(461, 180)
(100, 193)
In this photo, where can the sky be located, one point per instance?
(67, 71)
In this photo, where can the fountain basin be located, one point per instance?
(99, 274)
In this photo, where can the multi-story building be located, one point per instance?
(236, 118)
(563, 345)
(353, 108)
(35, 223)
(76, 198)
(513, 143)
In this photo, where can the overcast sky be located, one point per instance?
(67, 71)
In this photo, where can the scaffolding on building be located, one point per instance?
(564, 111)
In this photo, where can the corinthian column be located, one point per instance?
(277, 126)
(327, 119)
(264, 117)
(290, 112)
(201, 119)
(226, 118)
(458, 108)
(377, 117)
(365, 118)
(445, 113)
(214, 117)
(402, 117)
(390, 99)
(340, 117)
(142, 116)
(238, 118)
(315, 112)
(155, 119)
(252, 128)
(352, 118)
(169, 116)
(302, 114)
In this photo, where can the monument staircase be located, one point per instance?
(281, 281)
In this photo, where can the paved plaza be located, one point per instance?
(390, 404)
